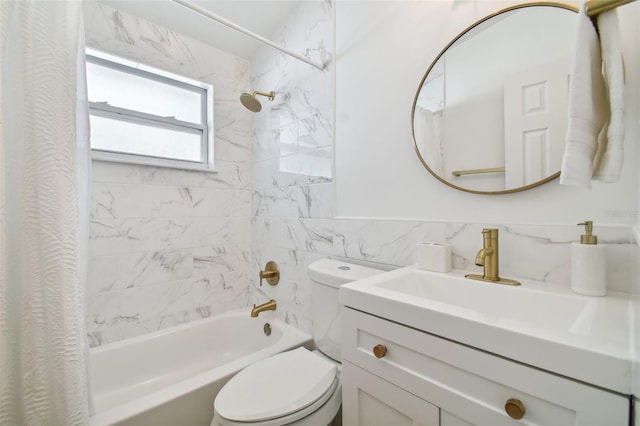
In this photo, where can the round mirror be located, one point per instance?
(490, 114)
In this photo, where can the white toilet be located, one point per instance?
(298, 387)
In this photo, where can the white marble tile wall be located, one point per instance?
(292, 158)
(526, 251)
(169, 246)
(292, 206)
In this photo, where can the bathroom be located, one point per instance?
(294, 182)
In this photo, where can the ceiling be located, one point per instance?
(262, 17)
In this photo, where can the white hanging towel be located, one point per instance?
(608, 165)
(588, 106)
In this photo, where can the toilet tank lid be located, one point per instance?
(334, 272)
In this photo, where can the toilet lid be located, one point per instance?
(276, 386)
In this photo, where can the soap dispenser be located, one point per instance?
(588, 264)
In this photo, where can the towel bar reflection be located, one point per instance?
(596, 7)
(478, 171)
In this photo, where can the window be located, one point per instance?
(143, 115)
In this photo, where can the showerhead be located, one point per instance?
(251, 103)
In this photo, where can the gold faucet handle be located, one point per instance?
(270, 273)
(490, 232)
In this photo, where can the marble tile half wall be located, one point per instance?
(538, 252)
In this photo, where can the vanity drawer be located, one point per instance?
(471, 384)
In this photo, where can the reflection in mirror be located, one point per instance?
(490, 115)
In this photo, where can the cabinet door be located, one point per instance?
(371, 401)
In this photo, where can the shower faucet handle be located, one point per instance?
(270, 273)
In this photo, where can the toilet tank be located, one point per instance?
(326, 277)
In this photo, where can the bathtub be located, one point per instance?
(172, 376)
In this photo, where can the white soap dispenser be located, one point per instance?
(588, 264)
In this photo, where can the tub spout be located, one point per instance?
(268, 306)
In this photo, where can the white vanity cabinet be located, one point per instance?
(416, 378)
(375, 401)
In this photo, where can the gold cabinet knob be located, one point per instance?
(379, 351)
(514, 408)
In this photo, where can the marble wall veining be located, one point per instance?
(292, 159)
(294, 217)
(168, 245)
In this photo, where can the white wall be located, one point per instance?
(382, 51)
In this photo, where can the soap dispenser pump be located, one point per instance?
(588, 264)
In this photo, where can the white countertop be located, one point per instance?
(540, 324)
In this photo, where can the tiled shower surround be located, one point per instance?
(169, 246)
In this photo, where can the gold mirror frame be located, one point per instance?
(442, 52)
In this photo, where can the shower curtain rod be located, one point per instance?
(596, 7)
(251, 34)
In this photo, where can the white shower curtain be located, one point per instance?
(43, 214)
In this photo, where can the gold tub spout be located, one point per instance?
(268, 306)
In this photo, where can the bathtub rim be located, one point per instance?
(183, 326)
(292, 338)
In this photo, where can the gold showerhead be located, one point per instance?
(251, 103)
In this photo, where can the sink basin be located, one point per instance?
(540, 324)
(489, 301)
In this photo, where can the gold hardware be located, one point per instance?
(596, 7)
(270, 273)
(514, 408)
(488, 257)
(271, 95)
(268, 306)
(250, 102)
(379, 351)
(588, 237)
(477, 171)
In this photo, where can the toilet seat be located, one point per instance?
(287, 386)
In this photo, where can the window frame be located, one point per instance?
(103, 109)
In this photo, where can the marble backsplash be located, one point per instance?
(534, 252)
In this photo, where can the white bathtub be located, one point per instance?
(171, 377)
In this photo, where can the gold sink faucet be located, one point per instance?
(268, 306)
(488, 257)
